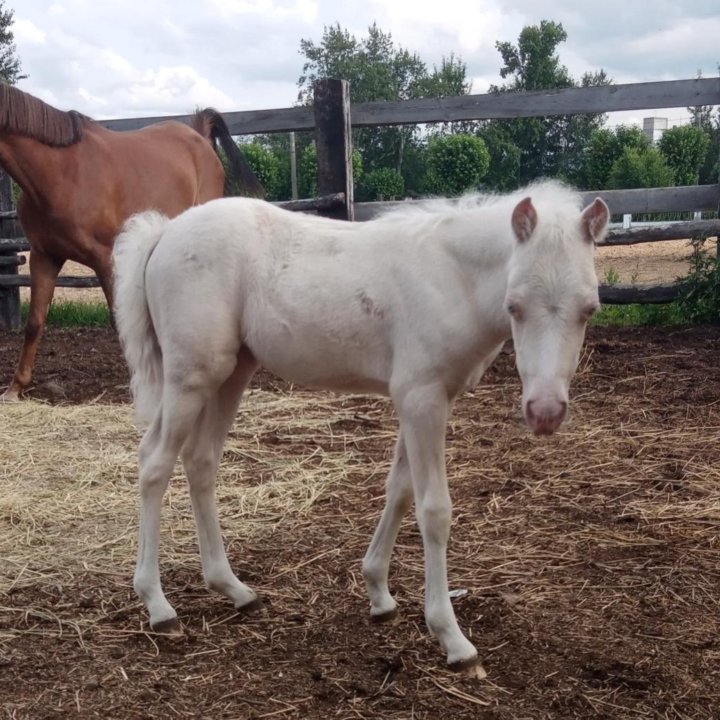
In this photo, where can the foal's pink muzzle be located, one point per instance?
(545, 415)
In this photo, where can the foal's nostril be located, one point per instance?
(545, 416)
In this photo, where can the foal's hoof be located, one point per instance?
(253, 606)
(391, 616)
(470, 668)
(171, 626)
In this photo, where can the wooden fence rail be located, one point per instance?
(332, 118)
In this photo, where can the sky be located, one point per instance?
(165, 57)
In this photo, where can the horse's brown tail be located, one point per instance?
(239, 177)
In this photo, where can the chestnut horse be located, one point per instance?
(81, 181)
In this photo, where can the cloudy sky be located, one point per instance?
(161, 57)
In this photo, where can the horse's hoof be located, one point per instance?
(391, 616)
(253, 606)
(470, 668)
(171, 626)
(9, 397)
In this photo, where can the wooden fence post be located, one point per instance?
(333, 141)
(9, 296)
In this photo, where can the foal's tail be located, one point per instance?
(239, 177)
(133, 248)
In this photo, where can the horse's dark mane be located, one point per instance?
(23, 114)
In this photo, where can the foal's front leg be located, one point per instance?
(423, 416)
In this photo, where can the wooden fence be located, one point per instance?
(332, 118)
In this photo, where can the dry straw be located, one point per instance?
(597, 550)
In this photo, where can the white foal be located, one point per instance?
(415, 304)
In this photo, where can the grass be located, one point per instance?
(636, 314)
(71, 313)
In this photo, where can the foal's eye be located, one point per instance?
(514, 310)
(588, 312)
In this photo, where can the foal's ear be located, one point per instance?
(594, 220)
(524, 219)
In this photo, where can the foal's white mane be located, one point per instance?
(481, 221)
(557, 201)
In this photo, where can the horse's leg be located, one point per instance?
(376, 564)
(43, 273)
(104, 271)
(423, 414)
(160, 446)
(201, 457)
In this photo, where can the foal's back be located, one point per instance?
(323, 302)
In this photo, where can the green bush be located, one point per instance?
(637, 168)
(699, 301)
(265, 165)
(381, 184)
(307, 170)
(456, 163)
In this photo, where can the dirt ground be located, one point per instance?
(591, 560)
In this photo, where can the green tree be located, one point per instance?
(10, 72)
(603, 149)
(10, 68)
(456, 163)
(550, 146)
(505, 156)
(684, 148)
(378, 70)
(637, 168)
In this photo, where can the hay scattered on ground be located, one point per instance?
(590, 560)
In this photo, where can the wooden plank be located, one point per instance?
(13, 245)
(10, 225)
(9, 296)
(245, 122)
(9, 260)
(9, 300)
(636, 201)
(87, 281)
(324, 202)
(333, 142)
(663, 231)
(645, 294)
(686, 198)
(568, 101)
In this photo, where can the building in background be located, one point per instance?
(654, 127)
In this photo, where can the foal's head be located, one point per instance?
(552, 293)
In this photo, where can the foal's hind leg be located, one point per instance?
(201, 457)
(159, 450)
(43, 273)
(376, 564)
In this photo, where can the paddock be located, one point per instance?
(586, 566)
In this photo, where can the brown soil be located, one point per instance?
(653, 262)
(593, 571)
